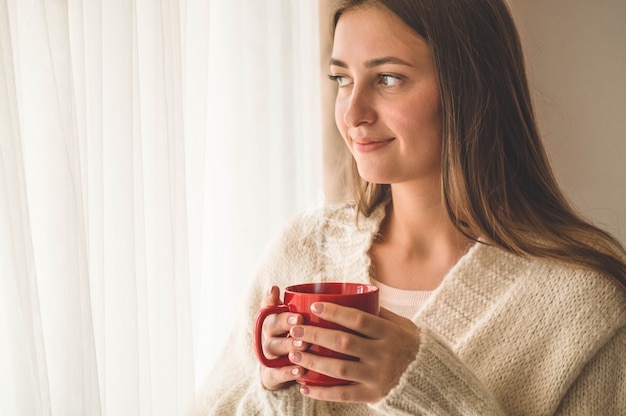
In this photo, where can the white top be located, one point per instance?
(406, 303)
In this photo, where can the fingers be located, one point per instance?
(271, 298)
(333, 367)
(364, 323)
(276, 346)
(385, 345)
(277, 326)
(388, 328)
(346, 394)
(275, 343)
(335, 340)
(278, 378)
(280, 323)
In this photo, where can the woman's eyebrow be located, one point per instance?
(385, 60)
(337, 62)
(372, 62)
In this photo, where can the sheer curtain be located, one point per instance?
(148, 151)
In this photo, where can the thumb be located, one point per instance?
(272, 297)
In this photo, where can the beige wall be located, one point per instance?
(576, 54)
(576, 51)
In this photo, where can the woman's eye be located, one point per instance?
(341, 80)
(389, 81)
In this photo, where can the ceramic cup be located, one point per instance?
(298, 299)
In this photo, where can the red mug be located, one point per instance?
(298, 299)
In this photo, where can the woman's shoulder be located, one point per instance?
(491, 291)
(315, 241)
(303, 234)
(309, 225)
(561, 284)
(338, 212)
(330, 221)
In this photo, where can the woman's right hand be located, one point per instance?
(276, 343)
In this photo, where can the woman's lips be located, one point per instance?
(370, 145)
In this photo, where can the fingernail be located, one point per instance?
(317, 308)
(295, 357)
(295, 371)
(297, 332)
(297, 343)
(292, 320)
(269, 291)
(304, 390)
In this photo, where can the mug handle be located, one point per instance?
(258, 337)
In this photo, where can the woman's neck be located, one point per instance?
(418, 243)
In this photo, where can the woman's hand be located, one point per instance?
(387, 344)
(276, 343)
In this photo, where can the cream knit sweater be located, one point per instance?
(502, 335)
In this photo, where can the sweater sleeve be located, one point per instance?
(438, 383)
(600, 389)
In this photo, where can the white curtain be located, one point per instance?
(148, 151)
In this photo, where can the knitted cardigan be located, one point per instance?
(501, 335)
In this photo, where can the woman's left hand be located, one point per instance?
(387, 344)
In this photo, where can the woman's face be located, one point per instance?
(388, 106)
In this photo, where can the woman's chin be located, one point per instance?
(374, 178)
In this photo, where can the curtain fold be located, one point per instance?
(148, 151)
(263, 93)
(22, 352)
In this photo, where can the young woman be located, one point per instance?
(497, 298)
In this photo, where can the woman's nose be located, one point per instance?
(359, 109)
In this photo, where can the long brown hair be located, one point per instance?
(497, 183)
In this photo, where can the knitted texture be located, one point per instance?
(501, 335)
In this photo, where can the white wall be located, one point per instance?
(576, 53)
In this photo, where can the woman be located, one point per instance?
(497, 298)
